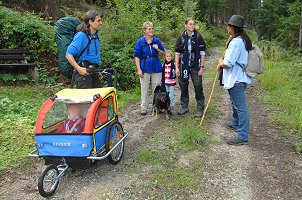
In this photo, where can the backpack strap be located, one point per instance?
(89, 41)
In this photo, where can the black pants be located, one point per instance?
(184, 88)
(88, 81)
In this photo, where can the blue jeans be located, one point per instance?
(170, 89)
(241, 116)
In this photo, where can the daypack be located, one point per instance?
(65, 29)
(255, 62)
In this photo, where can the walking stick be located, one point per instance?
(213, 87)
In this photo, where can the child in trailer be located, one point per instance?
(74, 122)
(170, 81)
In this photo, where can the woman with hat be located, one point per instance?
(234, 79)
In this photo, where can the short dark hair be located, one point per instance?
(91, 15)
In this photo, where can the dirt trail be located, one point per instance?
(267, 168)
(264, 169)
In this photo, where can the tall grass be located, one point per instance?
(18, 111)
(282, 81)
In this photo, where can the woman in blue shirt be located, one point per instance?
(234, 78)
(84, 51)
(148, 65)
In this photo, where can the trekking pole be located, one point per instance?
(213, 87)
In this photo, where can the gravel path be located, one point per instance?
(267, 168)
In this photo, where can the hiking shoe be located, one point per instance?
(198, 113)
(143, 112)
(237, 142)
(230, 127)
(170, 112)
(183, 111)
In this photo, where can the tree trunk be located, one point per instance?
(300, 36)
(259, 13)
(52, 10)
(238, 8)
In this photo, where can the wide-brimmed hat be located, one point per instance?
(237, 20)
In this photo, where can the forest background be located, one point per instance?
(276, 26)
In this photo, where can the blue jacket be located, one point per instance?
(149, 61)
(79, 42)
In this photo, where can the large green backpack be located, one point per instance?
(65, 29)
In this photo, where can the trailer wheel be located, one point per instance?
(48, 181)
(114, 134)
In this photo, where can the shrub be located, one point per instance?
(26, 31)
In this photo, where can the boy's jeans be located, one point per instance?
(241, 117)
(170, 89)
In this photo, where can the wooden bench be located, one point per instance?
(18, 61)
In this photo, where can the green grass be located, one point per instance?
(282, 82)
(18, 111)
(162, 156)
(175, 179)
(127, 97)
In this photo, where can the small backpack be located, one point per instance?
(65, 29)
(255, 62)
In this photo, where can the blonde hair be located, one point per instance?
(188, 19)
(146, 25)
(168, 52)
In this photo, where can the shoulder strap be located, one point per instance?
(89, 41)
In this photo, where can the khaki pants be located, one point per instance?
(155, 79)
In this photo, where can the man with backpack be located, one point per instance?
(84, 51)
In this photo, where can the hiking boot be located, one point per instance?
(143, 112)
(170, 111)
(230, 127)
(198, 113)
(237, 142)
(183, 111)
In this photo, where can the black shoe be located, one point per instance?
(198, 113)
(237, 142)
(230, 127)
(143, 112)
(183, 111)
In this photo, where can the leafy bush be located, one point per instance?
(11, 79)
(26, 31)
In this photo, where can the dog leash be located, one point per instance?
(213, 87)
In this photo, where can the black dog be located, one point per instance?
(161, 101)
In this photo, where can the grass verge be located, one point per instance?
(18, 110)
(282, 83)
